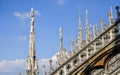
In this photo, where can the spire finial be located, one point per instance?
(111, 12)
(79, 20)
(32, 19)
(86, 17)
(60, 31)
(79, 39)
(87, 27)
(32, 12)
(110, 16)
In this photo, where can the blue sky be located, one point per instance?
(49, 16)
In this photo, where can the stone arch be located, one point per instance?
(104, 58)
(112, 54)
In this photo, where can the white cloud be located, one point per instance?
(37, 13)
(25, 15)
(61, 2)
(43, 61)
(11, 66)
(22, 37)
(21, 15)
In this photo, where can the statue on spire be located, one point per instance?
(60, 30)
(61, 45)
(86, 17)
(32, 19)
(32, 12)
(79, 20)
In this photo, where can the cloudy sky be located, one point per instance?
(49, 16)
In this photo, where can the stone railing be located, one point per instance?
(89, 50)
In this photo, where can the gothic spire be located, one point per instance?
(32, 62)
(110, 17)
(79, 20)
(32, 19)
(61, 56)
(32, 36)
(111, 12)
(87, 27)
(79, 39)
(79, 27)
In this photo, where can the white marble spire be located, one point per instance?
(61, 56)
(32, 35)
(110, 17)
(79, 39)
(32, 20)
(79, 20)
(32, 62)
(111, 12)
(87, 27)
(87, 33)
